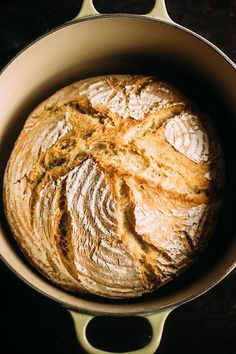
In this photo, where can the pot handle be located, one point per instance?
(156, 321)
(158, 11)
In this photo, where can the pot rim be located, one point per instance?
(125, 313)
(120, 15)
(187, 298)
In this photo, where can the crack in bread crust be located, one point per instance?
(114, 185)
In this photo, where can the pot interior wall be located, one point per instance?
(133, 45)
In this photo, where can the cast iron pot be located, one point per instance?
(94, 44)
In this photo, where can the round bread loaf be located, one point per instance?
(114, 185)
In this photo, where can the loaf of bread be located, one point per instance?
(114, 185)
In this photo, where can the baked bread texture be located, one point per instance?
(114, 185)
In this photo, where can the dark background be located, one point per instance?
(31, 323)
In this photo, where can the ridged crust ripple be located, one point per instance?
(114, 185)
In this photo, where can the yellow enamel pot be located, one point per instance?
(94, 44)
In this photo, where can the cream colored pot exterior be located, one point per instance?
(93, 46)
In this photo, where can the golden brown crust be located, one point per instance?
(113, 185)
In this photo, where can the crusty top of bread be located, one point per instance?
(113, 185)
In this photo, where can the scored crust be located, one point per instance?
(114, 185)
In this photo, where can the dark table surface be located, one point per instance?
(31, 323)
